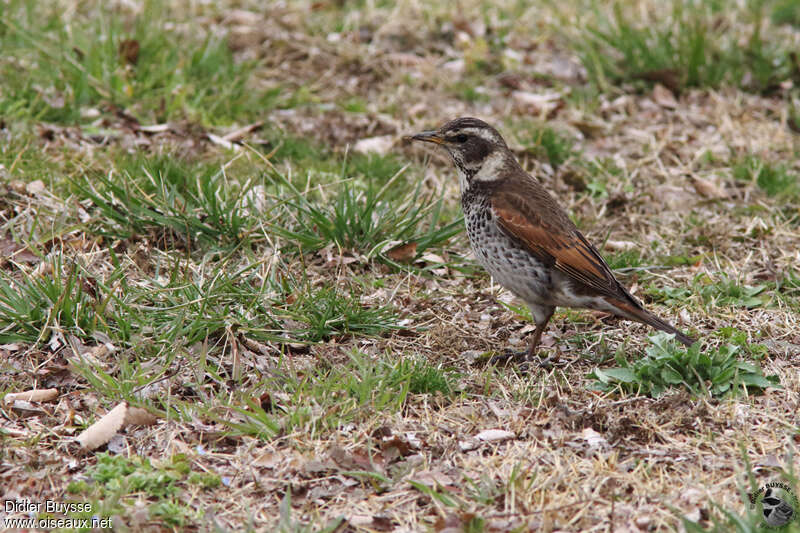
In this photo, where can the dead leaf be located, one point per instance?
(354, 460)
(403, 253)
(129, 50)
(35, 188)
(34, 395)
(708, 189)
(664, 97)
(538, 104)
(15, 252)
(671, 78)
(154, 128)
(101, 431)
(238, 134)
(494, 435)
(220, 141)
(136, 416)
(594, 439)
(26, 408)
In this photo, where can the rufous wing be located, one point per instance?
(563, 247)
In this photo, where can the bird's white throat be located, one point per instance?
(485, 171)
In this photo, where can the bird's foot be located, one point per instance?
(509, 356)
(524, 361)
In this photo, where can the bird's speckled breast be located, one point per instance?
(510, 265)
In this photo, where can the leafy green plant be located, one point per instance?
(722, 292)
(117, 478)
(718, 372)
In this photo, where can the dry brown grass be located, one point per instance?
(578, 460)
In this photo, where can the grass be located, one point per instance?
(774, 179)
(128, 64)
(326, 311)
(690, 47)
(331, 397)
(285, 303)
(174, 202)
(62, 298)
(715, 372)
(364, 220)
(546, 143)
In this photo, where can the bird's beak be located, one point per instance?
(428, 136)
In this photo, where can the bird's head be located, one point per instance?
(477, 149)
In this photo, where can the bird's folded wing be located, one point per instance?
(565, 248)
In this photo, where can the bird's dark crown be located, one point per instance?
(464, 129)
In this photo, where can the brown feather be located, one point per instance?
(552, 237)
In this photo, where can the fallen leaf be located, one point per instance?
(238, 134)
(708, 189)
(15, 252)
(136, 416)
(101, 431)
(664, 97)
(154, 128)
(432, 478)
(129, 50)
(620, 246)
(593, 438)
(34, 395)
(494, 435)
(35, 188)
(403, 253)
(539, 104)
(220, 141)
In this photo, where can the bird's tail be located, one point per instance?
(657, 323)
(639, 314)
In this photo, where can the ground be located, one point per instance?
(208, 211)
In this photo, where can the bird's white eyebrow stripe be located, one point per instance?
(479, 132)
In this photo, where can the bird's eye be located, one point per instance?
(461, 138)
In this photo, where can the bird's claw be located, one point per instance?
(522, 360)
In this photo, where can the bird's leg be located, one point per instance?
(541, 316)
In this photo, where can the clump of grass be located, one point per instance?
(691, 48)
(66, 299)
(326, 311)
(624, 259)
(173, 201)
(75, 61)
(786, 12)
(546, 143)
(774, 179)
(332, 396)
(364, 219)
(718, 372)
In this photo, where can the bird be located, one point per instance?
(525, 239)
